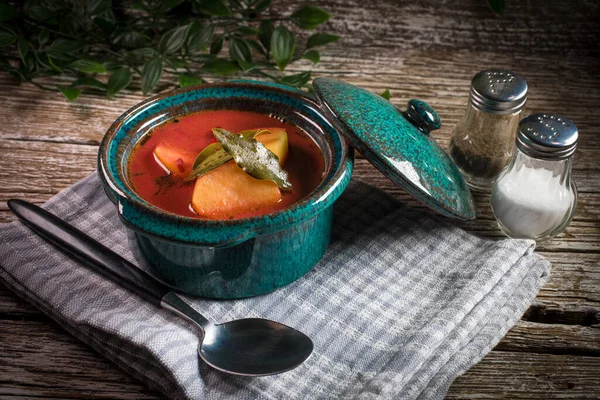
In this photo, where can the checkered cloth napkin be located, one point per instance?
(400, 305)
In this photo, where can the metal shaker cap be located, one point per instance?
(498, 91)
(547, 136)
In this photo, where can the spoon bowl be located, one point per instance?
(254, 347)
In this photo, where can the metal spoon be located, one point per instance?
(250, 347)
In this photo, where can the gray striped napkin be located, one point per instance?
(401, 304)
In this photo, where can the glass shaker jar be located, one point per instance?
(483, 141)
(535, 197)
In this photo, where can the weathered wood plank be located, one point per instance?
(38, 359)
(507, 375)
(533, 337)
(90, 117)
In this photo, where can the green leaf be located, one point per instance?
(174, 39)
(37, 12)
(96, 7)
(256, 46)
(262, 6)
(70, 93)
(23, 47)
(186, 80)
(88, 66)
(215, 8)
(140, 5)
(309, 17)
(385, 94)
(8, 27)
(246, 66)
(112, 64)
(497, 6)
(320, 39)
(144, 52)
(30, 63)
(6, 12)
(313, 56)
(296, 80)
(53, 64)
(43, 37)
(130, 39)
(283, 45)
(175, 62)
(253, 157)
(203, 58)
(151, 74)
(169, 4)
(205, 153)
(212, 161)
(266, 29)
(199, 37)
(246, 31)
(6, 39)
(239, 50)
(220, 66)
(217, 45)
(90, 82)
(61, 46)
(118, 81)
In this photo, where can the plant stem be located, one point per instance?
(34, 83)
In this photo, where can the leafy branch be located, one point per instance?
(102, 45)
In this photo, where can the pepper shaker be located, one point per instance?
(483, 141)
(535, 197)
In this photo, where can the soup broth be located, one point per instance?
(190, 134)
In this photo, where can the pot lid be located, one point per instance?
(399, 144)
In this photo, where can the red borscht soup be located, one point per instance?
(163, 165)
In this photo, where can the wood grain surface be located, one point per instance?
(416, 49)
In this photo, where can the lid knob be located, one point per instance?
(422, 116)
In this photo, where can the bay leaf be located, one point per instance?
(213, 155)
(205, 153)
(253, 157)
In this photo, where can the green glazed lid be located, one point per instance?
(399, 144)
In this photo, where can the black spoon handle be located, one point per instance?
(100, 258)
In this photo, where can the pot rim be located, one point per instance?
(151, 220)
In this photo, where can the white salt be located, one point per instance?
(530, 202)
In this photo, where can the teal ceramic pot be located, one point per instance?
(231, 258)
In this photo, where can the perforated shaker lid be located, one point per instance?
(498, 91)
(547, 136)
(398, 143)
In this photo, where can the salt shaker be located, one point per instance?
(535, 197)
(483, 141)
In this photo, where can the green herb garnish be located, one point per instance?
(213, 155)
(253, 157)
(103, 45)
(204, 154)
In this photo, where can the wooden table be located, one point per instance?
(417, 49)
